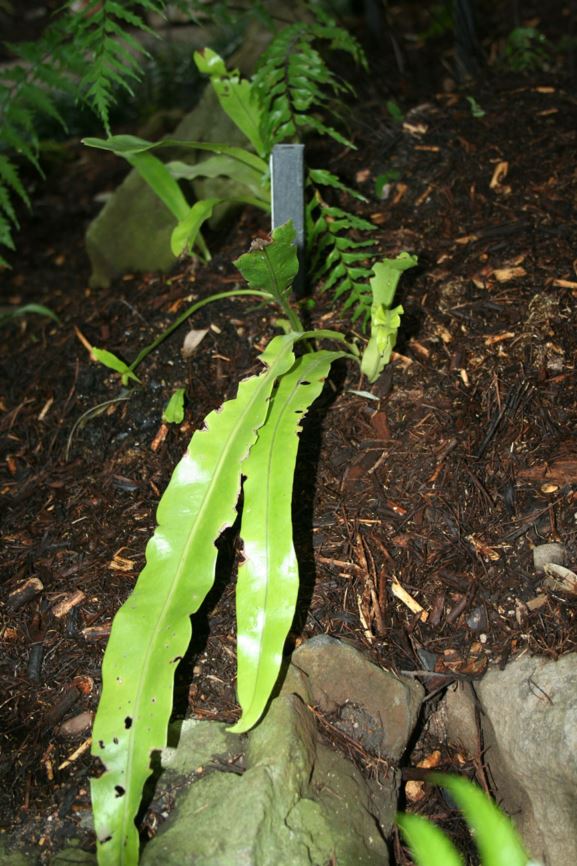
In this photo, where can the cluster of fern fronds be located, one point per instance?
(298, 93)
(87, 53)
(92, 54)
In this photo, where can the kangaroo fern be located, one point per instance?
(152, 630)
(253, 435)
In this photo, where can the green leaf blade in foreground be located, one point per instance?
(152, 630)
(268, 579)
(429, 845)
(495, 836)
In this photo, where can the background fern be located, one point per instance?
(299, 94)
(93, 55)
(88, 55)
(295, 87)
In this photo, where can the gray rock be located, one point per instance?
(71, 855)
(455, 719)
(132, 231)
(374, 707)
(529, 721)
(198, 743)
(270, 815)
(545, 553)
(290, 799)
(13, 857)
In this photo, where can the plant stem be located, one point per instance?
(189, 312)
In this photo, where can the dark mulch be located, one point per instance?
(441, 486)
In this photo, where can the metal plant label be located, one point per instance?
(287, 198)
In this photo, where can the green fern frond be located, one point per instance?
(339, 261)
(113, 56)
(89, 55)
(294, 86)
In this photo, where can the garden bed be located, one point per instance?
(441, 482)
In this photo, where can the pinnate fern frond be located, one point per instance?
(339, 258)
(112, 53)
(88, 55)
(296, 89)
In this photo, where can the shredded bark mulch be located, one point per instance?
(416, 510)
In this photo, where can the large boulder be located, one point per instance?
(132, 231)
(527, 728)
(280, 796)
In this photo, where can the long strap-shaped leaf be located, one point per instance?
(267, 584)
(152, 629)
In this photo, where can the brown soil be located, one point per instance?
(465, 459)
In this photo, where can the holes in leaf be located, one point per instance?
(120, 791)
(101, 744)
(105, 840)
(115, 740)
(128, 722)
(176, 660)
(153, 700)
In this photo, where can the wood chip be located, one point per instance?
(414, 790)
(159, 438)
(482, 548)
(499, 173)
(536, 603)
(95, 632)
(564, 284)
(407, 599)
(65, 606)
(400, 190)
(415, 128)
(77, 753)
(503, 275)
(120, 563)
(24, 593)
(560, 578)
(498, 338)
(45, 409)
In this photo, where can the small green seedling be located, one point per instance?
(7, 314)
(385, 321)
(174, 409)
(110, 360)
(476, 109)
(395, 112)
(384, 179)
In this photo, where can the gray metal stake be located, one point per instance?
(288, 200)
